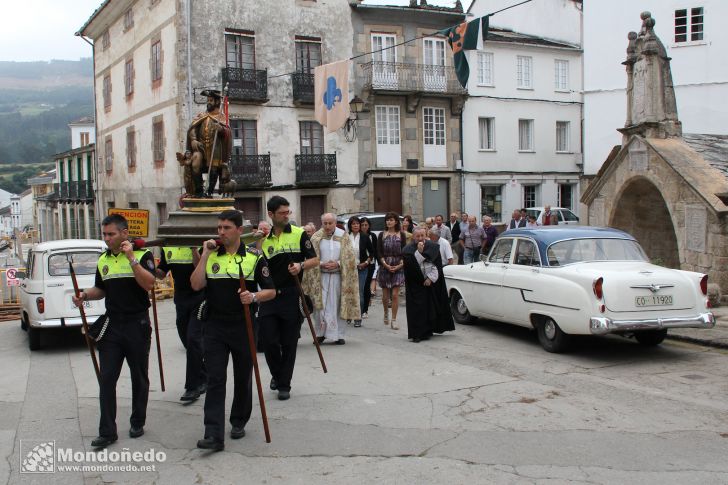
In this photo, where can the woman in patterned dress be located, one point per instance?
(391, 275)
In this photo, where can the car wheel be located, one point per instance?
(651, 338)
(24, 321)
(33, 338)
(459, 310)
(551, 337)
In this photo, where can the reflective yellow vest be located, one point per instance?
(226, 266)
(118, 266)
(287, 242)
(177, 255)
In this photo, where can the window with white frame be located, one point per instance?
(434, 136)
(530, 195)
(566, 196)
(387, 119)
(389, 152)
(434, 126)
(524, 72)
(689, 24)
(486, 127)
(525, 135)
(561, 75)
(485, 68)
(562, 137)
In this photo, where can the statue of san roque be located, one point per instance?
(208, 148)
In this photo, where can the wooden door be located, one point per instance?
(252, 209)
(312, 207)
(388, 195)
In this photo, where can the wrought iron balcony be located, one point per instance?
(250, 171)
(316, 170)
(401, 77)
(76, 191)
(302, 87)
(245, 84)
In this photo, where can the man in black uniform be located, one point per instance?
(181, 262)
(289, 251)
(124, 277)
(225, 332)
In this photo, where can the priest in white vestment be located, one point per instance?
(336, 293)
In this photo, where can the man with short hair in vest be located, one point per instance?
(289, 252)
(225, 331)
(124, 277)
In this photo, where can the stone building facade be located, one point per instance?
(154, 57)
(409, 133)
(667, 189)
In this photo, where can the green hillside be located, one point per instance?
(37, 101)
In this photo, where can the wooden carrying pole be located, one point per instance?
(310, 322)
(84, 322)
(156, 333)
(254, 356)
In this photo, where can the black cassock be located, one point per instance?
(427, 306)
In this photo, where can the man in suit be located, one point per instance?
(454, 225)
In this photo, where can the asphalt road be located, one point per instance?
(483, 404)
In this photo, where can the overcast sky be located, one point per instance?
(41, 30)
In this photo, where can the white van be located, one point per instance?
(46, 287)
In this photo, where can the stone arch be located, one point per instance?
(641, 210)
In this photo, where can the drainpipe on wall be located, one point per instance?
(94, 163)
(462, 162)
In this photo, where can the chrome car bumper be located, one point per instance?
(603, 325)
(63, 322)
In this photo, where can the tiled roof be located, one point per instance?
(504, 35)
(713, 148)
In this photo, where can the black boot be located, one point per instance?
(212, 182)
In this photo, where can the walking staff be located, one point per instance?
(84, 322)
(307, 312)
(140, 244)
(254, 353)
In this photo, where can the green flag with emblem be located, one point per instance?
(464, 37)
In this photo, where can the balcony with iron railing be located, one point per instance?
(246, 85)
(316, 170)
(400, 77)
(75, 191)
(302, 87)
(250, 171)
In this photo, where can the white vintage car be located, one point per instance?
(567, 280)
(46, 287)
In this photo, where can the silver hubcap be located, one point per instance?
(462, 309)
(549, 329)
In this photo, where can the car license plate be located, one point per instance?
(86, 304)
(653, 300)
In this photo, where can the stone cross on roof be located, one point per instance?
(651, 106)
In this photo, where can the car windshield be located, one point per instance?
(580, 250)
(83, 263)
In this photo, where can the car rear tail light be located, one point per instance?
(602, 308)
(597, 286)
(704, 284)
(40, 303)
(708, 304)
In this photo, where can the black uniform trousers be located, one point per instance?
(190, 332)
(280, 321)
(223, 338)
(128, 336)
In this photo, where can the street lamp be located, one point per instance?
(356, 105)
